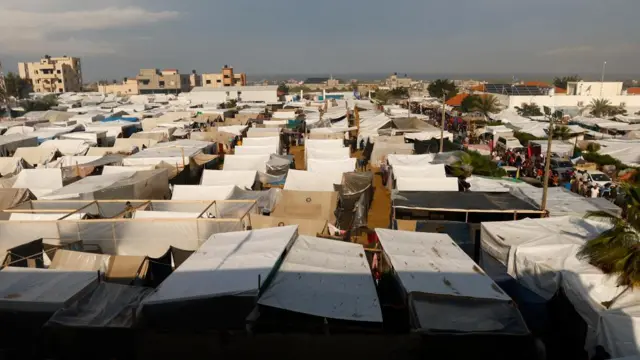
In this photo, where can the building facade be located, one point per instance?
(224, 78)
(394, 81)
(168, 81)
(127, 87)
(53, 74)
(253, 94)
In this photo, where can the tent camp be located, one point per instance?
(307, 181)
(420, 171)
(327, 166)
(227, 269)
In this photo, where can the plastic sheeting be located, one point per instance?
(10, 198)
(108, 306)
(108, 170)
(68, 147)
(325, 278)
(279, 165)
(327, 166)
(42, 290)
(383, 149)
(201, 192)
(310, 227)
(253, 150)
(326, 154)
(266, 200)
(307, 205)
(308, 181)
(426, 184)
(541, 254)
(246, 162)
(36, 155)
(39, 181)
(409, 160)
(10, 166)
(80, 261)
(273, 142)
(422, 171)
(226, 265)
(356, 194)
(244, 179)
(10, 143)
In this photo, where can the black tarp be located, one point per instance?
(354, 199)
(432, 146)
(159, 269)
(180, 256)
(459, 200)
(22, 255)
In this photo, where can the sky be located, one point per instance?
(116, 38)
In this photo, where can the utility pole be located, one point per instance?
(604, 65)
(444, 99)
(547, 163)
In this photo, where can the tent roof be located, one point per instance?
(228, 264)
(458, 201)
(243, 179)
(307, 181)
(325, 278)
(201, 192)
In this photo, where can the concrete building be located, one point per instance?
(53, 74)
(210, 95)
(195, 80)
(127, 87)
(324, 83)
(602, 89)
(224, 78)
(168, 81)
(394, 81)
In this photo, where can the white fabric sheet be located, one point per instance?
(325, 278)
(201, 192)
(307, 181)
(253, 150)
(332, 153)
(242, 179)
(226, 264)
(39, 181)
(432, 263)
(409, 160)
(426, 184)
(422, 171)
(325, 166)
(246, 162)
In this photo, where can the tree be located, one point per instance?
(43, 104)
(400, 92)
(383, 97)
(617, 250)
(561, 132)
(441, 87)
(487, 104)
(531, 109)
(283, 88)
(15, 86)
(472, 162)
(599, 107)
(562, 82)
(468, 104)
(593, 147)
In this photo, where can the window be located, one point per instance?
(580, 103)
(218, 81)
(58, 71)
(35, 72)
(60, 90)
(623, 104)
(161, 83)
(227, 93)
(226, 76)
(208, 81)
(59, 81)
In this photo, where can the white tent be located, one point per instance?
(227, 264)
(325, 278)
(42, 290)
(68, 147)
(201, 192)
(246, 162)
(244, 179)
(426, 184)
(273, 142)
(308, 181)
(108, 170)
(39, 181)
(325, 166)
(542, 255)
(409, 160)
(253, 150)
(422, 171)
(332, 153)
(383, 149)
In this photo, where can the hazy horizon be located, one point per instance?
(283, 37)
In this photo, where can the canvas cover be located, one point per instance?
(266, 201)
(382, 150)
(253, 150)
(325, 278)
(301, 180)
(39, 181)
(355, 196)
(542, 255)
(201, 192)
(422, 171)
(326, 166)
(426, 184)
(409, 160)
(273, 142)
(331, 153)
(42, 290)
(307, 205)
(11, 166)
(246, 162)
(12, 197)
(226, 265)
(458, 200)
(135, 141)
(107, 306)
(108, 170)
(244, 179)
(68, 147)
(10, 143)
(36, 155)
(310, 227)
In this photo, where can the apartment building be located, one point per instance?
(168, 81)
(224, 78)
(126, 87)
(53, 74)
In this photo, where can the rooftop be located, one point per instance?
(236, 88)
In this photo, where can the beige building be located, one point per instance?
(225, 78)
(127, 87)
(53, 74)
(394, 81)
(168, 81)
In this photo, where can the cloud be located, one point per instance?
(30, 32)
(570, 51)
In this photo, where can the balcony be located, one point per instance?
(47, 76)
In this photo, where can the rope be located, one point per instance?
(22, 258)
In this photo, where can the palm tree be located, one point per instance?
(529, 110)
(600, 107)
(487, 104)
(617, 251)
(561, 132)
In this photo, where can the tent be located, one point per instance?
(307, 181)
(427, 184)
(307, 205)
(382, 149)
(273, 142)
(201, 192)
(244, 179)
(246, 162)
(10, 166)
(253, 150)
(121, 269)
(216, 286)
(12, 197)
(68, 147)
(332, 153)
(152, 184)
(39, 181)
(325, 279)
(355, 197)
(409, 160)
(327, 166)
(542, 255)
(421, 171)
(311, 227)
(10, 143)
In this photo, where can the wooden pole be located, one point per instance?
(547, 164)
(444, 99)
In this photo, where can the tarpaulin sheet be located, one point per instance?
(409, 160)
(39, 181)
(308, 181)
(253, 150)
(310, 227)
(355, 194)
(427, 184)
(307, 205)
(246, 162)
(422, 171)
(108, 306)
(9, 143)
(244, 179)
(382, 150)
(10, 166)
(326, 166)
(36, 155)
(458, 200)
(201, 192)
(279, 165)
